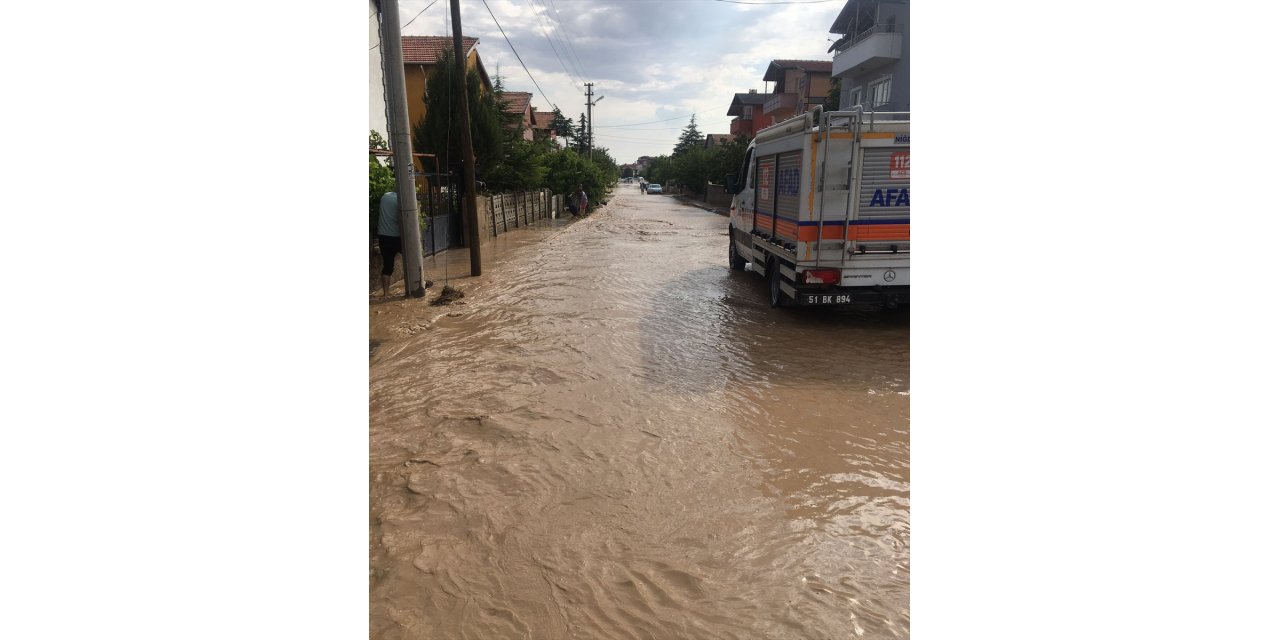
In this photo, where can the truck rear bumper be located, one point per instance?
(890, 296)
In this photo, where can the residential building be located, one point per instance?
(520, 102)
(542, 122)
(798, 85)
(748, 109)
(421, 54)
(873, 56)
(716, 139)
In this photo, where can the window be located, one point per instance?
(879, 91)
(855, 97)
(746, 111)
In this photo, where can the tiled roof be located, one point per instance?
(426, 49)
(742, 99)
(778, 68)
(543, 120)
(714, 139)
(517, 101)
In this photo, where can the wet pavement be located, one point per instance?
(612, 435)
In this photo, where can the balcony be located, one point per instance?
(872, 48)
(780, 107)
(741, 126)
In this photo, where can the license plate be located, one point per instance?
(827, 298)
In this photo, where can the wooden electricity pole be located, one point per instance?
(468, 154)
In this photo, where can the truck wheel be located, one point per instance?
(736, 262)
(776, 297)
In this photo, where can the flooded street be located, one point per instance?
(616, 437)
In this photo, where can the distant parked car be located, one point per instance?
(655, 187)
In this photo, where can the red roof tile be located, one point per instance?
(543, 120)
(778, 67)
(426, 49)
(517, 101)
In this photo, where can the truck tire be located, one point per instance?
(776, 297)
(736, 262)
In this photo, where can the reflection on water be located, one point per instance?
(616, 437)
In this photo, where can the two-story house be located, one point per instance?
(542, 123)
(748, 112)
(873, 56)
(520, 103)
(421, 55)
(798, 85)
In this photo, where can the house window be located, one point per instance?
(855, 97)
(746, 111)
(879, 91)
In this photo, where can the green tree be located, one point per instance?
(512, 124)
(438, 132)
(659, 170)
(833, 96)
(522, 167)
(567, 168)
(381, 179)
(561, 125)
(690, 138)
(579, 135)
(727, 158)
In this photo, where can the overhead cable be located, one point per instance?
(517, 54)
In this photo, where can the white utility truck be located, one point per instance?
(821, 208)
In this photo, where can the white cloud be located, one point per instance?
(652, 60)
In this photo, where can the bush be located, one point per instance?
(566, 169)
(381, 180)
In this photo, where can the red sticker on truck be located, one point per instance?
(900, 165)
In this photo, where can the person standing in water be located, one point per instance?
(388, 236)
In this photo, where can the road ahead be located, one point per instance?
(616, 437)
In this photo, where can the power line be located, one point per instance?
(575, 73)
(609, 137)
(543, 23)
(424, 10)
(572, 50)
(778, 2)
(513, 50)
(656, 121)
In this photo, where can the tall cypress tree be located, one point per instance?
(690, 138)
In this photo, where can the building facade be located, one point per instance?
(798, 86)
(748, 111)
(872, 58)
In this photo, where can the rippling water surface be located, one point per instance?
(616, 437)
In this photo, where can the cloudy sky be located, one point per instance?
(655, 62)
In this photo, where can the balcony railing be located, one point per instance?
(887, 27)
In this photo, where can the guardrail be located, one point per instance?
(867, 33)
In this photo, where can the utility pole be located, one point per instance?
(591, 132)
(401, 149)
(468, 154)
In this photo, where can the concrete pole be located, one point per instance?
(468, 153)
(590, 132)
(401, 148)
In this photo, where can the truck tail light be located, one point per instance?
(822, 276)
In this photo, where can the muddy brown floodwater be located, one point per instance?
(616, 437)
